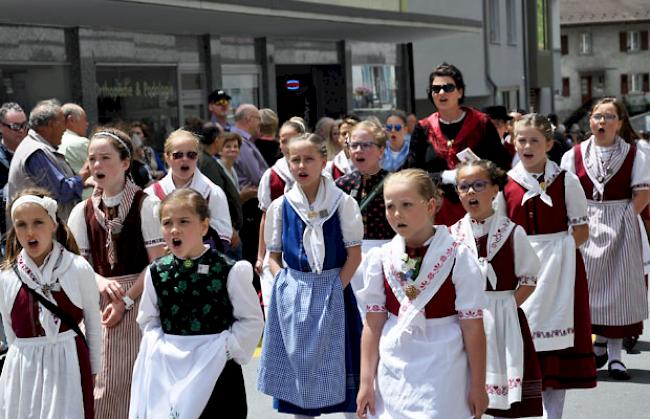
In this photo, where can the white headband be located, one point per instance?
(47, 203)
(115, 137)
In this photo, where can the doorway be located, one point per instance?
(585, 88)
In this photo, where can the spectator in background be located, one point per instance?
(74, 144)
(411, 122)
(37, 163)
(399, 140)
(212, 141)
(267, 142)
(147, 154)
(324, 128)
(218, 106)
(13, 128)
(140, 171)
(503, 123)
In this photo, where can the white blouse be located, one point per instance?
(150, 225)
(245, 332)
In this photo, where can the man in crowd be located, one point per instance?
(218, 106)
(13, 128)
(74, 144)
(37, 163)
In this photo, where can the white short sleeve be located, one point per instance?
(247, 328)
(641, 170)
(527, 264)
(264, 191)
(351, 221)
(469, 285)
(148, 313)
(219, 213)
(90, 305)
(77, 225)
(151, 231)
(273, 226)
(373, 295)
(568, 162)
(576, 202)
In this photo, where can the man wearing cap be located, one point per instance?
(501, 119)
(218, 105)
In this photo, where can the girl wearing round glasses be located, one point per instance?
(181, 154)
(398, 141)
(451, 129)
(615, 176)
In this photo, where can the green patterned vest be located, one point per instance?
(193, 297)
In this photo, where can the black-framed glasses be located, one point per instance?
(477, 185)
(192, 155)
(606, 116)
(15, 126)
(447, 88)
(396, 127)
(363, 145)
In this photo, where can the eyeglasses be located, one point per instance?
(447, 88)
(222, 102)
(398, 127)
(192, 155)
(15, 126)
(605, 116)
(363, 145)
(477, 185)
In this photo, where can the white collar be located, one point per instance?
(199, 183)
(533, 188)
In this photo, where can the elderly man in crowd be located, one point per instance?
(74, 144)
(37, 163)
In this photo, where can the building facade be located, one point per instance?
(604, 53)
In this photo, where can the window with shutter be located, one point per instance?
(633, 41)
(646, 82)
(622, 41)
(623, 84)
(644, 40)
(564, 41)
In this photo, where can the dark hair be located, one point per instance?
(13, 247)
(447, 70)
(626, 132)
(187, 198)
(210, 132)
(124, 148)
(397, 113)
(497, 175)
(193, 124)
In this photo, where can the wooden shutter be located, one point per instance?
(564, 41)
(566, 87)
(644, 40)
(622, 41)
(646, 82)
(623, 84)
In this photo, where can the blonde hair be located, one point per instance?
(420, 181)
(180, 133)
(537, 121)
(314, 139)
(268, 122)
(374, 128)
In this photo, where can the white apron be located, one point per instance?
(423, 369)
(174, 376)
(549, 309)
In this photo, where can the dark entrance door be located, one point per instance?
(310, 91)
(585, 88)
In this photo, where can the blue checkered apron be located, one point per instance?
(303, 351)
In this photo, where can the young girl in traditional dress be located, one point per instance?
(549, 204)
(200, 319)
(117, 232)
(275, 181)
(181, 154)
(424, 299)
(340, 165)
(50, 366)
(509, 265)
(615, 176)
(310, 352)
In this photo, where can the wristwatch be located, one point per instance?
(128, 302)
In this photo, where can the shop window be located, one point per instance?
(27, 85)
(585, 43)
(374, 86)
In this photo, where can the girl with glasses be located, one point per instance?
(398, 141)
(615, 176)
(117, 232)
(451, 129)
(181, 154)
(509, 266)
(549, 204)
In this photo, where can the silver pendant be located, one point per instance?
(600, 178)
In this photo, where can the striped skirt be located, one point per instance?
(120, 346)
(614, 263)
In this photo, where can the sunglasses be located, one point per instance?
(447, 88)
(15, 126)
(192, 155)
(398, 127)
(364, 146)
(222, 102)
(605, 116)
(477, 185)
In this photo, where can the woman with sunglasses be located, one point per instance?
(398, 141)
(438, 138)
(181, 154)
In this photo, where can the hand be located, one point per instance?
(113, 314)
(90, 183)
(259, 266)
(110, 289)
(478, 401)
(235, 240)
(84, 172)
(247, 192)
(366, 401)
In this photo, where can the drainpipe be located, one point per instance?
(486, 53)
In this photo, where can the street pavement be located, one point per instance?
(609, 400)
